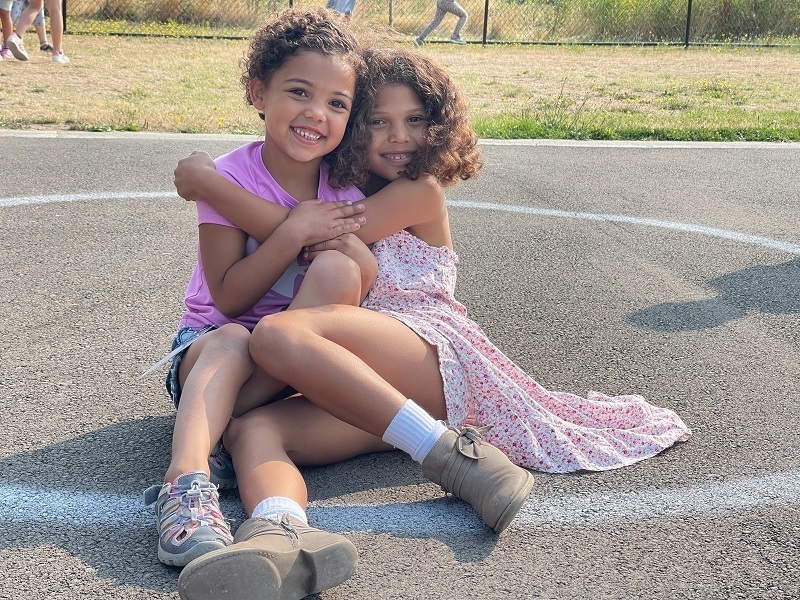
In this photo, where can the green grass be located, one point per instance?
(569, 92)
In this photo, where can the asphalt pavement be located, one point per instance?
(666, 269)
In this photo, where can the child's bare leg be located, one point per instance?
(268, 442)
(276, 551)
(212, 373)
(56, 23)
(332, 278)
(259, 390)
(6, 23)
(28, 16)
(365, 364)
(366, 368)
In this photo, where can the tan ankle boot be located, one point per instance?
(275, 560)
(467, 466)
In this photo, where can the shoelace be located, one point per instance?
(470, 440)
(287, 526)
(193, 505)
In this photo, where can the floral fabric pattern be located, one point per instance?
(554, 432)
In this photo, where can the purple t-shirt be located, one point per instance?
(245, 167)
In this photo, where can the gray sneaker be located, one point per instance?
(220, 465)
(189, 519)
(271, 560)
(418, 42)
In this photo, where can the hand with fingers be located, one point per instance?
(189, 175)
(316, 221)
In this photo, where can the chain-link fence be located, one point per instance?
(490, 21)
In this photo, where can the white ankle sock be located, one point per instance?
(414, 431)
(272, 508)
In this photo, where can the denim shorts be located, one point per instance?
(173, 384)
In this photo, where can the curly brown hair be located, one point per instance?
(451, 152)
(319, 31)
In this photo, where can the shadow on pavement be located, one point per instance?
(772, 289)
(96, 481)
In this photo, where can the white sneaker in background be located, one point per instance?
(14, 43)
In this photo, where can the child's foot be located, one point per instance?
(271, 559)
(14, 43)
(472, 469)
(220, 465)
(189, 519)
(60, 57)
(457, 40)
(418, 42)
(5, 53)
(45, 46)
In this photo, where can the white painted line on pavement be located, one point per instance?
(48, 199)
(736, 236)
(32, 505)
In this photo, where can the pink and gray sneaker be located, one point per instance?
(189, 519)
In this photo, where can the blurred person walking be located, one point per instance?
(342, 7)
(442, 8)
(38, 23)
(26, 18)
(7, 26)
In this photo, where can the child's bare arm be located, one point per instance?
(236, 280)
(401, 204)
(196, 178)
(418, 206)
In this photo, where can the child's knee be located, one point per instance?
(335, 277)
(231, 339)
(276, 341)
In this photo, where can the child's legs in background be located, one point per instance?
(28, 16)
(5, 19)
(56, 24)
(457, 10)
(437, 18)
(268, 442)
(38, 22)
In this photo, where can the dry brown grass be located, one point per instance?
(184, 85)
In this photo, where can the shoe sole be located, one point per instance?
(18, 53)
(515, 505)
(183, 559)
(252, 574)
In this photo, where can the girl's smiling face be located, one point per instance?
(306, 105)
(398, 125)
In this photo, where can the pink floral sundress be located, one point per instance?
(554, 432)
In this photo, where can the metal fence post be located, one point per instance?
(485, 20)
(688, 23)
(391, 13)
(64, 14)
